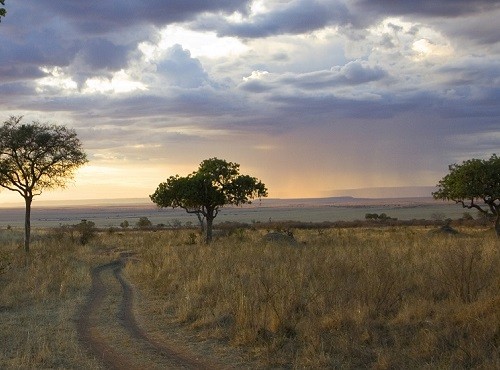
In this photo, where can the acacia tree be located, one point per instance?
(204, 192)
(34, 157)
(474, 184)
(2, 10)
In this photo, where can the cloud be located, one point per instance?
(99, 53)
(98, 17)
(20, 72)
(294, 17)
(428, 8)
(352, 74)
(177, 68)
(381, 87)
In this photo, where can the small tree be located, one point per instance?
(144, 223)
(216, 183)
(87, 230)
(34, 157)
(474, 184)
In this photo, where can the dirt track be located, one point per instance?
(108, 328)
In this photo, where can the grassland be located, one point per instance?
(390, 297)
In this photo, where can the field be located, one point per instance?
(111, 214)
(366, 297)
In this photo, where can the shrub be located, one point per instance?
(144, 223)
(86, 230)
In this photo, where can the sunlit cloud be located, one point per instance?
(56, 79)
(200, 44)
(121, 82)
(255, 75)
(427, 49)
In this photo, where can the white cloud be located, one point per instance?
(255, 75)
(120, 82)
(57, 79)
(200, 44)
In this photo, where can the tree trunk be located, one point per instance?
(202, 223)
(27, 228)
(210, 220)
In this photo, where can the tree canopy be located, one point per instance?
(3, 12)
(35, 157)
(215, 184)
(474, 184)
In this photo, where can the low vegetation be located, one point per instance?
(370, 297)
(351, 298)
(39, 303)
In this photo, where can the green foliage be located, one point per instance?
(216, 183)
(125, 224)
(3, 12)
(474, 184)
(380, 217)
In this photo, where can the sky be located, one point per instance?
(310, 96)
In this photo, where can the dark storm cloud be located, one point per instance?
(98, 16)
(20, 72)
(16, 90)
(103, 54)
(429, 8)
(468, 19)
(482, 29)
(304, 16)
(295, 17)
(22, 54)
(56, 33)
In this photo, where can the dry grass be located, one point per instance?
(383, 298)
(39, 303)
(342, 298)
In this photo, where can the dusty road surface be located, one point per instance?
(108, 328)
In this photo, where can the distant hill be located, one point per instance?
(386, 192)
(347, 197)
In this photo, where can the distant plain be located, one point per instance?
(112, 213)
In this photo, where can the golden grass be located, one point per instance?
(384, 298)
(343, 298)
(40, 303)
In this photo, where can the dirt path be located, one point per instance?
(108, 328)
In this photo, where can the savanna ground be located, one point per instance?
(366, 297)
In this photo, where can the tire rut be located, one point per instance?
(147, 352)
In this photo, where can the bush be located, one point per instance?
(144, 223)
(86, 230)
